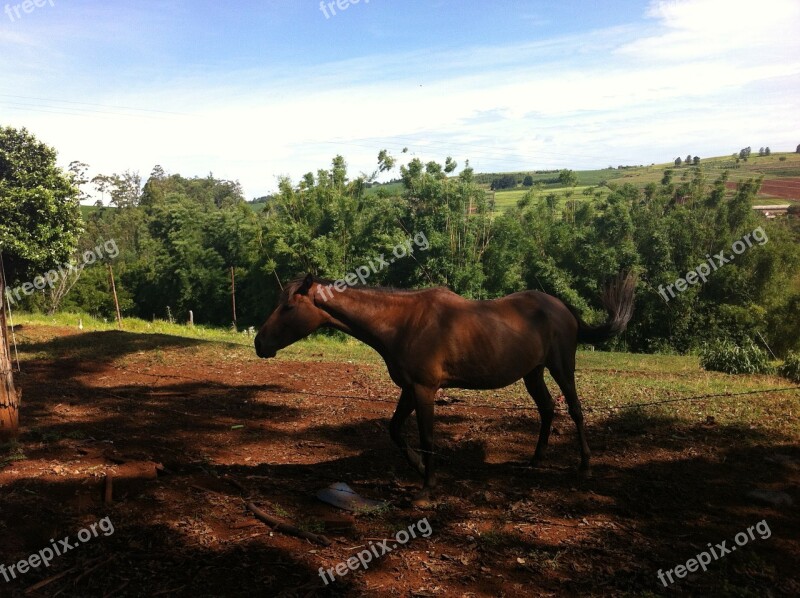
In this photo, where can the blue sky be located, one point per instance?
(255, 90)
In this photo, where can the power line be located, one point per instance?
(7, 95)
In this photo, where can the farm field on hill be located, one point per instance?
(781, 174)
(193, 428)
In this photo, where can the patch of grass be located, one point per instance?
(311, 525)
(280, 511)
(791, 367)
(379, 512)
(544, 560)
(728, 357)
(317, 347)
(10, 452)
(497, 538)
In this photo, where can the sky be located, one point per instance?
(256, 90)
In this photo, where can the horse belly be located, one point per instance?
(487, 373)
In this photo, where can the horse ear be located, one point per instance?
(306, 285)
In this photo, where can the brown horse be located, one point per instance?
(433, 338)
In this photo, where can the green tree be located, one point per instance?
(39, 226)
(506, 181)
(567, 178)
(744, 153)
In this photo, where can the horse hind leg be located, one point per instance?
(537, 388)
(564, 375)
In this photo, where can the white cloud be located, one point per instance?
(704, 77)
(692, 29)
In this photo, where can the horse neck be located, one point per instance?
(364, 314)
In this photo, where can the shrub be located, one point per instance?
(791, 367)
(726, 356)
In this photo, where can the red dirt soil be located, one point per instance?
(174, 421)
(783, 188)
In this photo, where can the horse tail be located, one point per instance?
(617, 298)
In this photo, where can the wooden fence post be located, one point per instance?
(9, 396)
(114, 291)
(233, 296)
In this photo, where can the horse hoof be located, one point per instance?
(536, 463)
(423, 500)
(585, 474)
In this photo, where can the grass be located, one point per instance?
(311, 349)
(509, 198)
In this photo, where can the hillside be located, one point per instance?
(781, 172)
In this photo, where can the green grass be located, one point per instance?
(313, 348)
(87, 211)
(392, 188)
(509, 198)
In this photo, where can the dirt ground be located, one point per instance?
(190, 432)
(787, 188)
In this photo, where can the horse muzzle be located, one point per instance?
(263, 352)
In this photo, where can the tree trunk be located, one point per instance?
(9, 397)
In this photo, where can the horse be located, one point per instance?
(433, 338)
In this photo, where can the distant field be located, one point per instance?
(87, 211)
(394, 188)
(781, 174)
(508, 199)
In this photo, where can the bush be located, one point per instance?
(791, 367)
(726, 356)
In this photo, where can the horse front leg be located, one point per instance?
(425, 398)
(405, 407)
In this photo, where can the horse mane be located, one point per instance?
(294, 284)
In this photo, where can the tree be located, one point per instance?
(744, 153)
(767, 151)
(507, 181)
(678, 161)
(39, 225)
(797, 151)
(696, 160)
(688, 159)
(568, 178)
(527, 181)
(385, 161)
